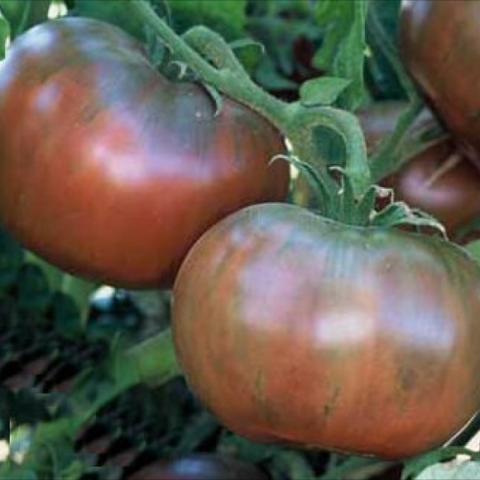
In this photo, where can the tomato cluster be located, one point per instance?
(292, 328)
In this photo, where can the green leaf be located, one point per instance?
(447, 471)
(227, 17)
(33, 289)
(4, 34)
(24, 14)
(115, 12)
(380, 75)
(11, 259)
(322, 91)
(268, 76)
(66, 315)
(474, 249)
(343, 50)
(12, 470)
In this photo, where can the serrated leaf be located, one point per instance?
(343, 50)
(449, 471)
(399, 213)
(323, 91)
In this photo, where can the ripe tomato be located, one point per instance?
(452, 196)
(109, 170)
(199, 467)
(296, 329)
(440, 43)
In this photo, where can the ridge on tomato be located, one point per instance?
(296, 329)
(109, 170)
(440, 44)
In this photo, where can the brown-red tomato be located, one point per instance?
(440, 44)
(296, 329)
(109, 170)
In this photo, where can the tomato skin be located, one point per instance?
(199, 467)
(109, 170)
(440, 45)
(295, 329)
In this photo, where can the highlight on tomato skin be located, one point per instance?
(440, 47)
(109, 170)
(297, 330)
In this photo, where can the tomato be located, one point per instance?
(442, 182)
(440, 44)
(110, 171)
(296, 329)
(199, 467)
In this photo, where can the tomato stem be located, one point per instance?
(296, 121)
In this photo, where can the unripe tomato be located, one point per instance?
(296, 329)
(440, 45)
(199, 467)
(112, 172)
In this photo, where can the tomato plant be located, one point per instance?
(299, 330)
(111, 171)
(317, 335)
(441, 48)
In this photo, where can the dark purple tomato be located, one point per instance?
(109, 170)
(298, 330)
(199, 467)
(440, 44)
